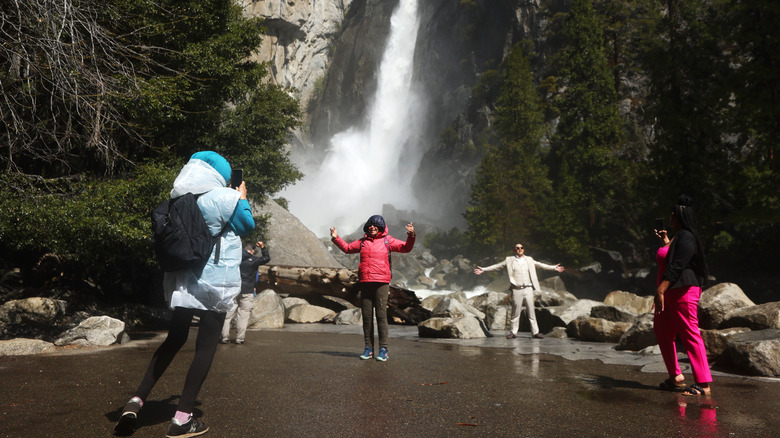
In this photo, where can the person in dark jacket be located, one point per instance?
(245, 301)
(374, 274)
(682, 273)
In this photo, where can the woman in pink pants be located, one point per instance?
(682, 271)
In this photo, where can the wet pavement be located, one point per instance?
(306, 380)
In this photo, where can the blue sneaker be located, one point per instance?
(368, 353)
(382, 356)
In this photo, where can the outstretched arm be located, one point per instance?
(479, 270)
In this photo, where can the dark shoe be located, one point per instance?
(695, 390)
(188, 429)
(382, 356)
(511, 336)
(538, 336)
(672, 385)
(128, 422)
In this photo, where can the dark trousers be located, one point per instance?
(205, 348)
(373, 299)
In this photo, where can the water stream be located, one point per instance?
(371, 163)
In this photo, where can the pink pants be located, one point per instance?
(680, 318)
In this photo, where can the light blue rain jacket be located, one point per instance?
(219, 283)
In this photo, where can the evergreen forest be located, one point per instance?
(569, 168)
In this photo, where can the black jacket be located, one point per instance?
(684, 263)
(249, 264)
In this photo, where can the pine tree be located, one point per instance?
(585, 149)
(508, 198)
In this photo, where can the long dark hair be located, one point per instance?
(683, 212)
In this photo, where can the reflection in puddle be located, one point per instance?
(700, 412)
(521, 359)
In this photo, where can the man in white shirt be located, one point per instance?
(522, 276)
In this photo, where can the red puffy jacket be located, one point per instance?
(374, 260)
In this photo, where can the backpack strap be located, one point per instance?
(218, 245)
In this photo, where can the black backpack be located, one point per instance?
(181, 238)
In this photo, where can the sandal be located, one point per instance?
(695, 390)
(671, 385)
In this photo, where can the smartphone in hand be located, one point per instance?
(236, 178)
(659, 224)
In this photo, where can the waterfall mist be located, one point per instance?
(373, 162)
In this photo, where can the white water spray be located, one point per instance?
(366, 167)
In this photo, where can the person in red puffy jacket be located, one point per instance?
(374, 274)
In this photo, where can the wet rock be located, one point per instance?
(596, 329)
(753, 353)
(466, 327)
(427, 282)
(21, 346)
(716, 341)
(760, 317)
(629, 302)
(349, 317)
(268, 311)
(639, 336)
(614, 314)
(95, 331)
(716, 302)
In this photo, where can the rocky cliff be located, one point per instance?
(329, 52)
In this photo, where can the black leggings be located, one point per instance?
(205, 347)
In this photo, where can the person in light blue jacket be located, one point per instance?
(208, 294)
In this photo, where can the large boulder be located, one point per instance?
(452, 308)
(268, 311)
(495, 306)
(753, 353)
(307, 313)
(760, 317)
(349, 317)
(716, 341)
(639, 336)
(22, 346)
(32, 310)
(498, 318)
(553, 293)
(614, 314)
(561, 316)
(716, 302)
(467, 327)
(95, 331)
(629, 302)
(290, 243)
(597, 329)
(431, 301)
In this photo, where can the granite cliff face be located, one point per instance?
(329, 51)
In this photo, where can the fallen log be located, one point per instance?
(303, 281)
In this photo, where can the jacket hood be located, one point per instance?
(377, 221)
(204, 172)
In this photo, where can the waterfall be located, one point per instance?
(372, 164)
